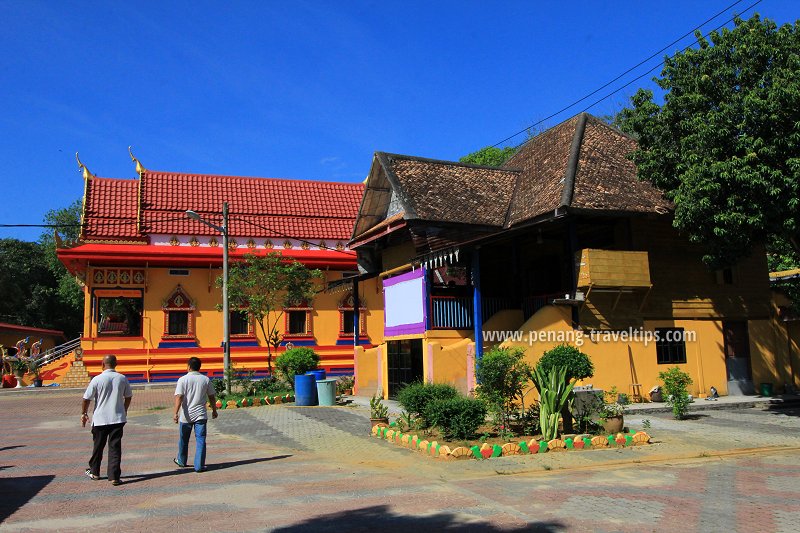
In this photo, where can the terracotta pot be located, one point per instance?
(613, 424)
(377, 421)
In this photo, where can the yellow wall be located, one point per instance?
(449, 363)
(142, 353)
(367, 383)
(622, 364)
(200, 286)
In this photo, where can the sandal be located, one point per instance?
(90, 475)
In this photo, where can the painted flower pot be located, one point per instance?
(37, 382)
(613, 424)
(376, 421)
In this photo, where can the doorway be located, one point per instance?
(404, 362)
(737, 357)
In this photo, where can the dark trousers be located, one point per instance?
(113, 434)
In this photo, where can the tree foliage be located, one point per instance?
(503, 375)
(264, 286)
(723, 145)
(781, 256)
(30, 290)
(67, 221)
(296, 361)
(578, 365)
(489, 156)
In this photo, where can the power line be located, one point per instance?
(576, 102)
(656, 66)
(122, 222)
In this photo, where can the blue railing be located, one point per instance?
(451, 312)
(456, 312)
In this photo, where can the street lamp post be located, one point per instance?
(226, 315)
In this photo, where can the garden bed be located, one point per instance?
(486, 450)
(235, 401)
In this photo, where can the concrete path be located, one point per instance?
(285, 468)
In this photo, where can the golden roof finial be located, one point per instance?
(81, 167)
(139, 167)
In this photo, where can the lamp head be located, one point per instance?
(191, 214)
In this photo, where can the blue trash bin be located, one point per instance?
(319, 374)
(305, 389)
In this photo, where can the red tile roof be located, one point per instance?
(110, 210)
(258, 207)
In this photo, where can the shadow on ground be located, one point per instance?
(136, 478)
(786, 411)
(4, 448)
(17, 491)
(381, 517)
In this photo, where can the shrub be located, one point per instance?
(676, 383)
(577, 363)
(457, 418)
(219, 387)
(296, 361)
(416, 396)
(502, 375)
(270, 385)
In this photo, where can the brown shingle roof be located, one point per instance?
(444, 191)
(543, 162)
(606, 179)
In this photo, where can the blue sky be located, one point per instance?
(300, 89)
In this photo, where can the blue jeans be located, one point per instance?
(185, 431)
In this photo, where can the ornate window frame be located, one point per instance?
(302, 306)
(251, 329)
(179, 300)
(347, 304)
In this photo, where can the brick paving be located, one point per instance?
(286, 468)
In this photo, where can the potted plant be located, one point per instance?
(18, 368)
(612, 417)
(34, 369)
(379, 413)
(344, 385)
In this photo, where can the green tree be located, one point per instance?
(264, 286)
(70, 295)
(723, 145)
(489, 156)
(30, 290)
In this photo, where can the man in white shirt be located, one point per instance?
(112, 395)
(191, 393)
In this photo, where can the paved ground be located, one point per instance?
(283, 468)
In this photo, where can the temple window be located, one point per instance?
(178, 315)
(347, 317)
(298, 321)
(119, 313)
(241, 324)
